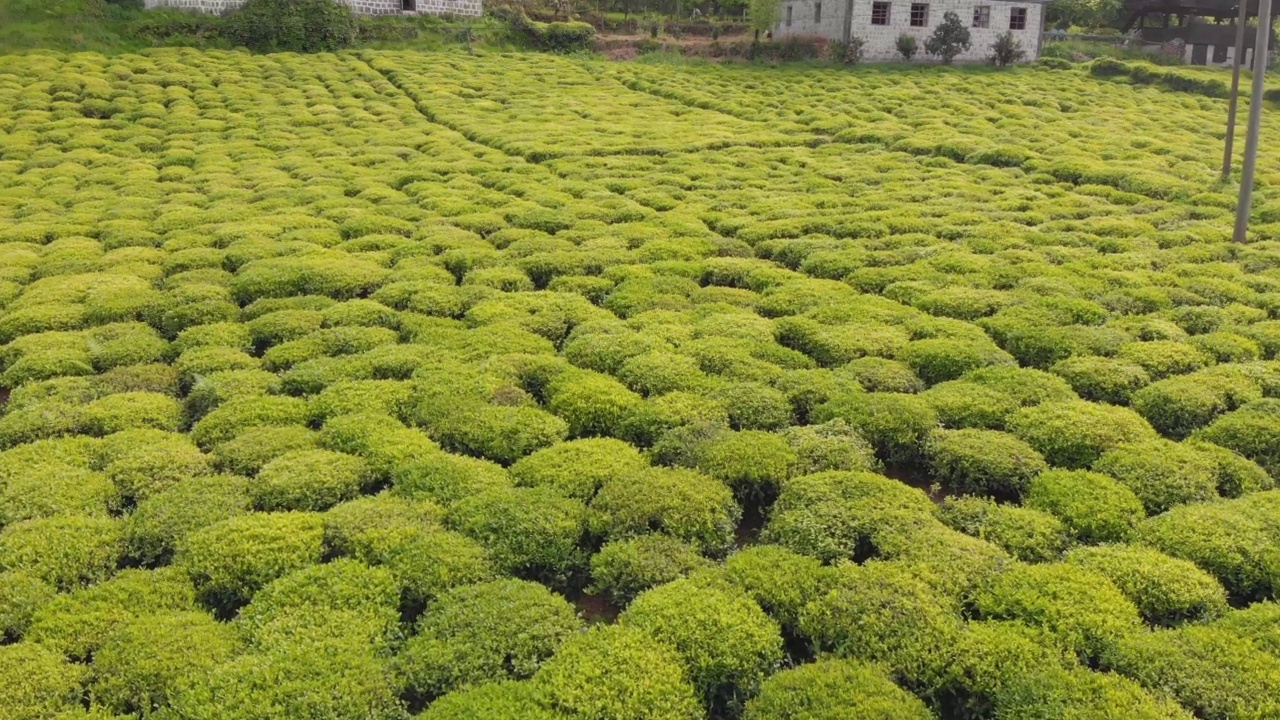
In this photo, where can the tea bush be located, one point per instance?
(831, 689)
(1094, 507)
(623, 569)
(682, 503)
(982, 462)
(1167, 591)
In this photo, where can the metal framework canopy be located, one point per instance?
(1135, 10)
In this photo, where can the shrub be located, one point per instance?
(1162, 358)
(753, 406)
(527, 531)
(833, 445)
(1161, 473)
(578, 468)
(1094, 507)
(563, 37)
(781, 581)
(1007, 50)
(625, 568)
(346, 524)
(425, 560)
(1213, 673)
(144, 657)
(993, 656)
(36, 683)
(1237, 475)
(1252, 431)
(1075, 434)
(49, 490)
(21, 596)
(308, 480)
(484, 633)
(964, 404)
(726, 641)
(155, 528)
(882, 613)
(1177, 406)
(64, 551)
(833, 515)
(1054, 692)
(682, 503)
(1167, 591)
(907, 46)
(508, 699)
(1256, 623)
(656, 373)
(949, 39)
(615, 671)
(1082, 608)
(250, 450)
(1028, 535)
(982, 462)
(1100, 379)
(291, 26)
(505, 434)
(847, 53)
(752, 462)
(1235, 541)
(937, 360)
(448, 478)
(832, 689)
(894, 424)
(322, 598)
(231, 560)
(234, 416)
(133, 410)
(883, 375)
(78, 623)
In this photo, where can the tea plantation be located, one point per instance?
(516, 387)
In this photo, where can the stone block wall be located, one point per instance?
(360, 7)
(880, 41)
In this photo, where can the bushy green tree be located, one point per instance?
(949, 39)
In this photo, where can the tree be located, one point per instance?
(907, 46)
(762, 15)
(1007, 50)
(949, 40)
(292, 26)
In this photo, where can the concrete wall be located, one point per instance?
(880, 41)
(361, 7)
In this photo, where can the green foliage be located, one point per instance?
(906, 46)
(1094, 507)
(614, 671)
(308, 480)
(36, 683)
(832, 689)
(577, 468)
(949, 39)
(1167, 591)
(21, 595)
(1250, 431)
(1075, 434)
(65, 551)
(294, 26)
(1161, 473)
(982, 462)
(937, 360)
(1100, 379)
(751, 461)
(155, 528)
(781, 581)
(1080, 607)
(527, 531)
(682, 503)
(498, 700)
(725, 640)
(625, 568)
(1028, 535)
(1213, 673)
(232, 559)
(833, 445)
(894, 424)
(1007, 50)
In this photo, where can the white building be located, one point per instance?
(361, 7)
(880, 22)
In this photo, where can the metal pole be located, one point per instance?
(1233, 101)
(1260, 55)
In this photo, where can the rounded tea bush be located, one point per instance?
(833, 445)
(21, 596)
(982, 462)
(881, 612)
(1162, 473)
(250, 450)
(484, 633)
(682, 503)
(155, 528)
(937, 360)
(1094, 507)
(1167, 590)
(725, 640)
(965, 404)
(781, 581)
(883, 375)
(578, 468)
(893, 423)
(36, 682)
(1080, 607)
(1074, 434)
(1105, 380)
(65, 551)
(527, 531)
(231, 560)
(625, 568)
(833, 689)
(751, 461)
(1052, 692)
(1253, 431)
(1237, 475)
(616, 671)
(308, 480)
(1215, 674)
(753, 406)
(447, 478)
(498, 700)
(1028, 535)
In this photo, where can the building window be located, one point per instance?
(1017, 18)
(817, 13)
(788, 16)
(919, 14)
(1219, 54)
(879, 13)
(408, 5)
(982, 16)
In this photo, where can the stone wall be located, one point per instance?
(880, 41)
(361, 7)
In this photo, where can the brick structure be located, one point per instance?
(361, 7)
(880, 23)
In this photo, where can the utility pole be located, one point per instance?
(1260, 56)
(1233, 102)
